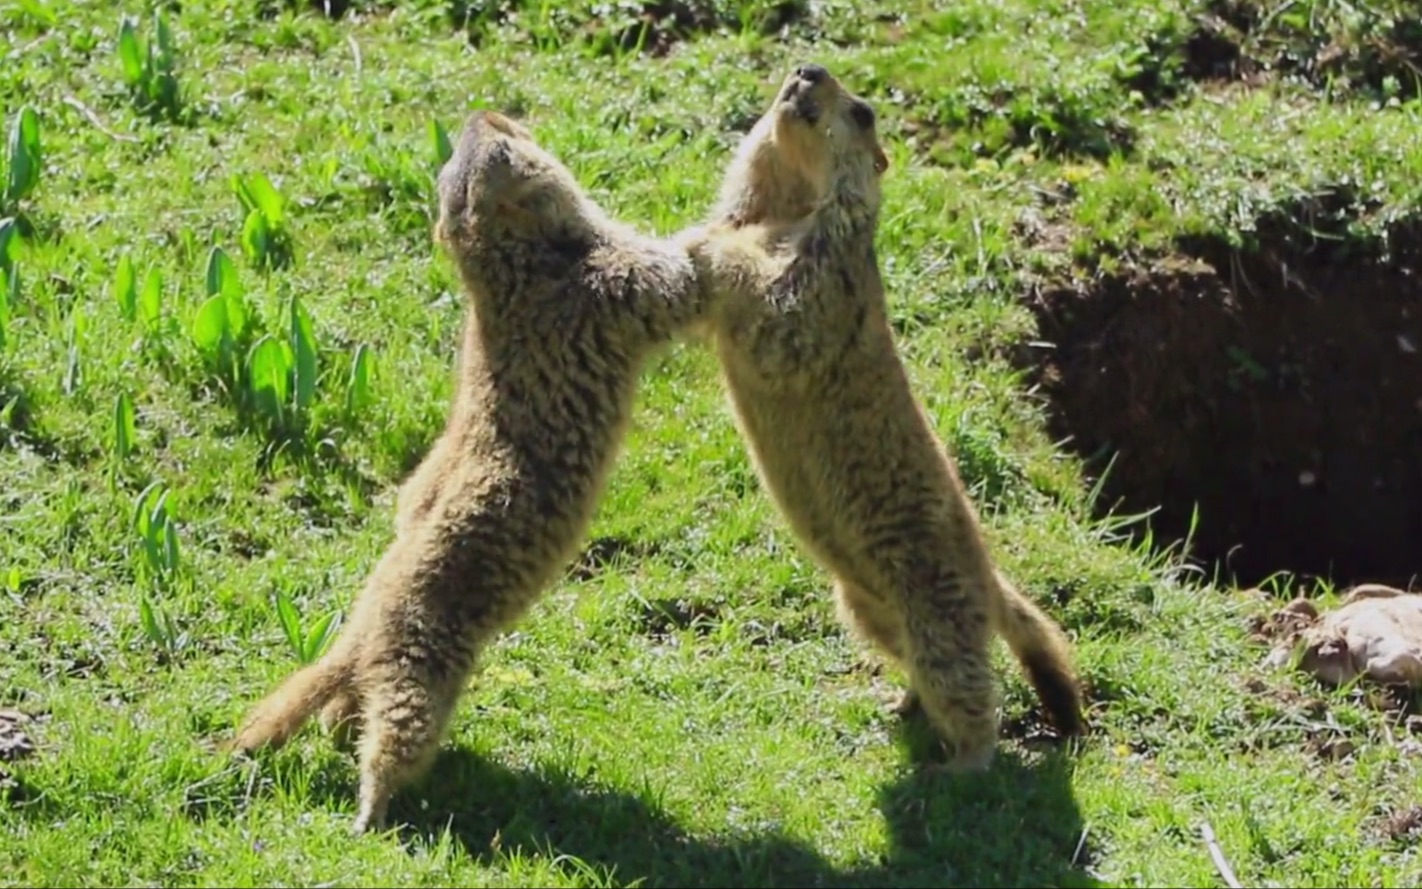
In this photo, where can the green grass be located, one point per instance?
(685, 711)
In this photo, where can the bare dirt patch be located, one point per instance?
(652, 27)
(1402, 826)
(1357, 48)
(657, 26)
(661, 619)
(15, 745)
(601, 552)
(1278, 388)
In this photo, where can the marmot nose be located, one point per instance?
(812, 73)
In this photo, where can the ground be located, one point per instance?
(1173, 234)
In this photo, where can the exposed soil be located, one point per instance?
(331, 8)
(652, 27)
(663, 618)
(1402, 825)
(661, 24)
(15, 744)
(1251, 40)
(600, 552)
(1281, 389)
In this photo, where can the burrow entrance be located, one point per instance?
(1280, 389)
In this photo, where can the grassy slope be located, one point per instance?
(688, 713)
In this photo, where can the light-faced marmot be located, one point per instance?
(565, 305)
(798, 319)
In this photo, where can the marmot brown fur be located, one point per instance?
(565, 305)
(798, 319)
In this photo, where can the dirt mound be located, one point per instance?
(15, 744)
(660, 24)
(652, 27)
(1279, 388)
(1338, 48)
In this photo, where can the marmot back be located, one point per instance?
(564, 307)
(799, 322)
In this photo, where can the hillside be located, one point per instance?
(1178, 239)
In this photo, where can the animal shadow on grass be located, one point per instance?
(1015, 825)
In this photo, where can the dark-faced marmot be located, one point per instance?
(798, 319)
(564, 307)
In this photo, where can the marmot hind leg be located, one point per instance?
(949, 658)
(342, 720)
(405, 721)
(876, 620)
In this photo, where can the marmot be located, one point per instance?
(798, 319)
(418, 492)
(565, 305)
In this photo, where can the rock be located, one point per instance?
(1376, 632)
(15, 743)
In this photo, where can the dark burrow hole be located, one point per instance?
(1278, 388)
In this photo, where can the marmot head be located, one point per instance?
(824, 126)
(499, 182)
(816, 137)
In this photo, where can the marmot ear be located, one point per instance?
(500, 123)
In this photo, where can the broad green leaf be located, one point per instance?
(168, 88)
(170, 547)
(150, 623)
(130, 56)
(244, 196)
(210, 325)
(256, 238)
(265, 198)
(151, 554)
(269, 369)
(158, 516)
(30, 138)
(290, 622)
(150, 302)
(77, 325)
(140, 507)
(5, 304)
(318, 636)
(152, 80)
(25, 157)
(72, 375)
(236, 314)
(439, 139)
(222, 278)
(9, 242)
(126, 288)
(163, 58)
(125, 426)
(358, 387)
(303, 347)
(221, 273)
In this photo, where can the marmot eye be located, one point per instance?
(863, 115)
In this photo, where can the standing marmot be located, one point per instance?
(565, 305)
(799, 321)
